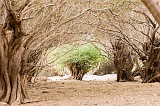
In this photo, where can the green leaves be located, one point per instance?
(84, 55)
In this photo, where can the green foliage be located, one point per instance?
(86, 56)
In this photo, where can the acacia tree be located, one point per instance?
(111, 24)
(80, 59)
(145, 26)
(148, 52)
(152, 60)
(123, 61)
(11, 52)
(118, 20)
(27, 29)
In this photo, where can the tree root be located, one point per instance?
(3, 104)
(155, 78)
(151, 79)
(25, 101)
(71, 78)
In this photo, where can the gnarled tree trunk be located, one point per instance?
(152, 60)
(76, 73)
(122, 61)
(12, 82)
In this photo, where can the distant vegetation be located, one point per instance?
(85, 56)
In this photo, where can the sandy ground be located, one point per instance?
(93, 91)
(107, 77)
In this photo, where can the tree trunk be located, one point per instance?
(154, 8)
(12, 83)
(123, 61)
(76, 73)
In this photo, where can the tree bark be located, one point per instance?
(153, 7)
(75, 72)
(122, 61)
(4, 76)
(13, 85)
(12, 82)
